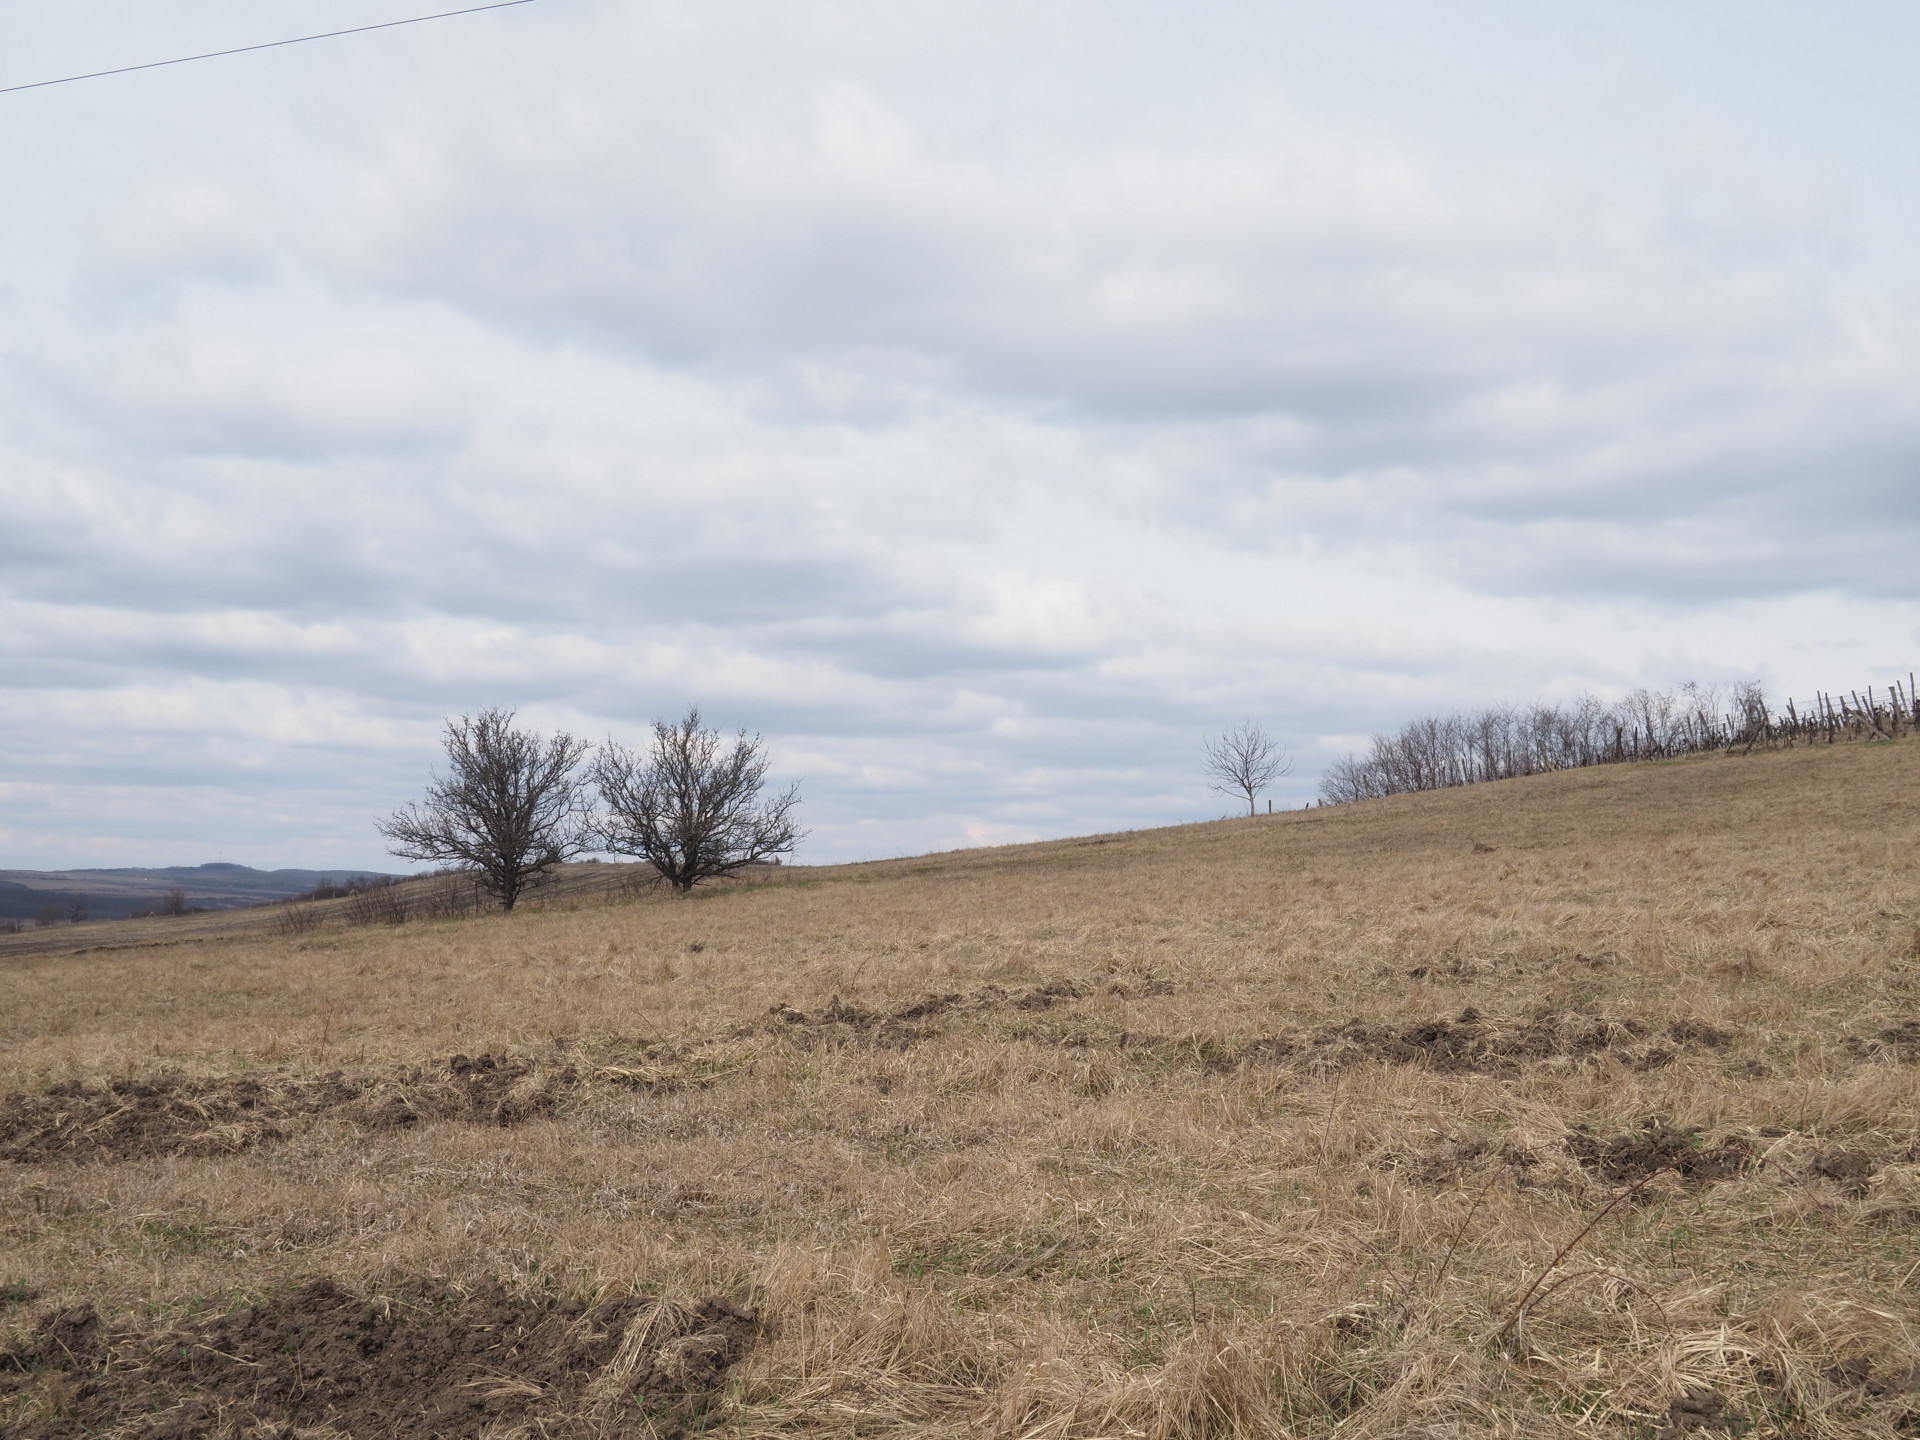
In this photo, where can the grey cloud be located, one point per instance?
(983, 466)
(1327, 288)
(1388, 349)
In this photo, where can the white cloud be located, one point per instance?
(982, 404)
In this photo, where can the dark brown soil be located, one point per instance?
(1698, 1032)
(123, 1119)
(424, 1361)
(1701, 1410)
(1857, 1372)
(840, 1023)
(1477, 1044)
(1475, 1156)
(1628, 1158)
(1852, 1169)
(1467, 1043)
(1470, 1043)
(1900, 1042)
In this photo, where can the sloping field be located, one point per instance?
(442, 897)
(1583, 1104)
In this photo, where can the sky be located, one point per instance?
(984, 403)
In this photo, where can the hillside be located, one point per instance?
(1577, 1104)
(115, 894)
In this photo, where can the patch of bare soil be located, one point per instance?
(423, 1361)
(1473, 1043)
(1900, 1042)
(841, 1024)
(1858, 1372)
(123, 1119)
(1457, 1159)
(1467, 1043)
(1470, 1043)
(493, 1089)
(1851, 1169)
(1702, 1411)
(1630, 1157)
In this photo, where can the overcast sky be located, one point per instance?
(985, 402)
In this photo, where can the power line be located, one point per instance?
(270, 45)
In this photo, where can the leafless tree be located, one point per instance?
(297, 917)
(512, 806)
(691, 805)
(1504, 741)
(1244, 761)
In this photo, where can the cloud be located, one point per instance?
(979, 407)
(1338, 329)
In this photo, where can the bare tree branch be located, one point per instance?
(511, 808)
(691, 805)
(1503, 742)
(1244, 761)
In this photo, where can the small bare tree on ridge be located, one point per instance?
(691, 805)
(1244, 761)
(512, 806)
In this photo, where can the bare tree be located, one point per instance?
(512, 807)
(1244, 761)
(1504, 742)
(691, 805)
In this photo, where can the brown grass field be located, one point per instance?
(1583, 1104)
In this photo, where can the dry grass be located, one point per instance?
(1252, 1128)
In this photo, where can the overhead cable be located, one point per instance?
(269, 45)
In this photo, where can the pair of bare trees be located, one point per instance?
(514, 804)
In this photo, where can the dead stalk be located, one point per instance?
(1517, 1319)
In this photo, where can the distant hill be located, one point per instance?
(116, 894)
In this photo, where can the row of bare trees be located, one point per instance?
(514, 804)
(384, 900)
(1498, 743)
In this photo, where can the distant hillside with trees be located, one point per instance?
(1501, 742)
(48, 897)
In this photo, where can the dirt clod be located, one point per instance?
(1476, 1155)
(1851, 1168)
(1901, 1042)
(63, 1340)
(1698, 1410)
(1698, 1032)
(1631, 1157)
(420, 1361)
(840, 1023)
(1471, 1042)
(179, 1115)
(1858, 1372)
(1146, 988)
